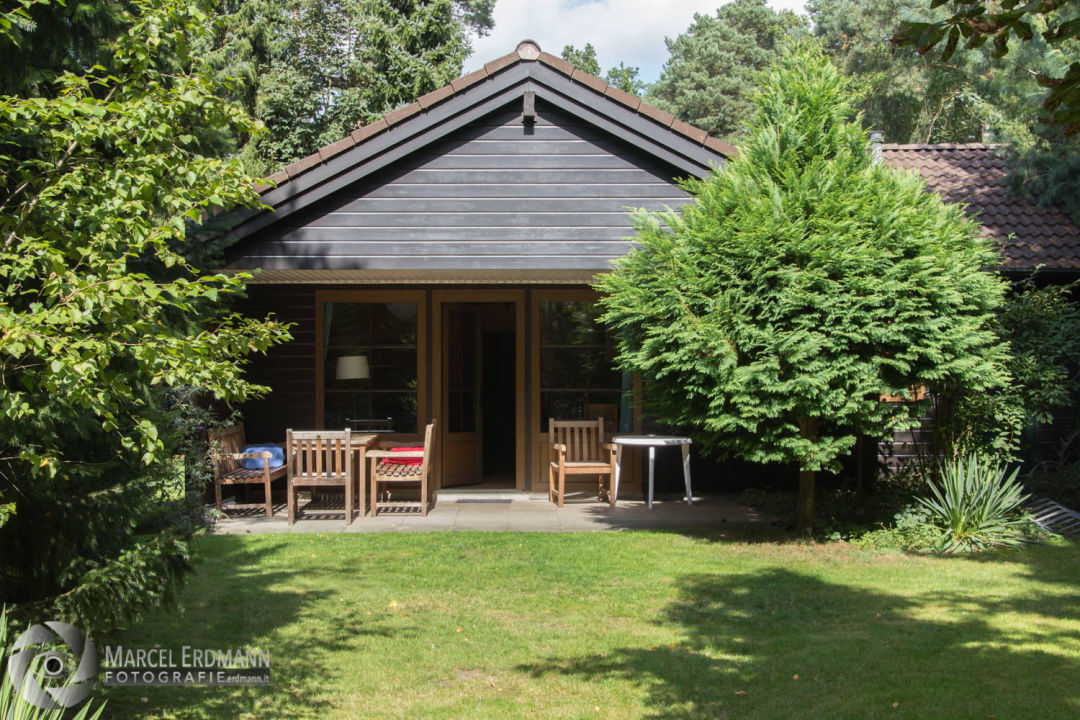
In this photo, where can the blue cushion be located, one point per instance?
(277, 456)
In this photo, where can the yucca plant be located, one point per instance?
(977, 504)
(12, 704)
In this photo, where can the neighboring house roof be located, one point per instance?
(976, 174)
(437, 115)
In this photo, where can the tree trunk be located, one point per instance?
(804, 518)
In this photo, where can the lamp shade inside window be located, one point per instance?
(353, 367)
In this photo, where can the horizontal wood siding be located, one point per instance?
(288, 369)
(497, 195)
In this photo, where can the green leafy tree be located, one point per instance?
(770, 316)
(976, 21)
(973, 96)
(311, 70)
(622, 76)
(909, 97)
(106, 329)
(710, 72)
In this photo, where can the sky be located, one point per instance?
(629, 31)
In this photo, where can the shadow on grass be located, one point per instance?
(241, 597)
(782, 644)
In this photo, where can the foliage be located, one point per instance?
(976, 22)
(77, 32)
(908, 97)
(770, 316)
(312, 70)
(1042, 327)
(13, 706)
(911, 530)
(622, 76)
(978, 503)
(709, 76)
(1058, 478)
(103, 322)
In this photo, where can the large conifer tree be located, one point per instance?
(771, 316)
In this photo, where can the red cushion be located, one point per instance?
(408, 460)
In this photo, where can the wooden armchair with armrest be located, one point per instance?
(578, 448)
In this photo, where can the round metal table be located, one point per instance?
(652, 442)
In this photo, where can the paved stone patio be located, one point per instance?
(525, 512)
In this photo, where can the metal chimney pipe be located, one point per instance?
(876, 138)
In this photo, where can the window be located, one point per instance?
(578, 377)
(370, 363)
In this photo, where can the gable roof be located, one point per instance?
(976, 174)
(437, 114)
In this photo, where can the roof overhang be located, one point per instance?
(424, 277)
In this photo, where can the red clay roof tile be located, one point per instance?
(469, 80)
(361, 134)
(499, 63)
(303, 164)
(589, 80)
(977, 175)
(336, 148)
(435, 96)
(406, 111)
(621, 96)
(563, 66)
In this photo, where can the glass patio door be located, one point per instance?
(461, 395)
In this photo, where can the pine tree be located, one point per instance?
(709, 75)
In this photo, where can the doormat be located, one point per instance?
(484, 500)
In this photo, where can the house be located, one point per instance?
(1032, 236)
(977, 175)
(437, 263)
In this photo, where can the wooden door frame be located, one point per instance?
(439, 298)
(374, 296)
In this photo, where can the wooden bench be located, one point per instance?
(226, 457)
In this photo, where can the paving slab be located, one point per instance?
(526, 513)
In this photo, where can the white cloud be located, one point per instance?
(629, 31)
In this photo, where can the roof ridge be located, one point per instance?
(942, 146)
(526, 51)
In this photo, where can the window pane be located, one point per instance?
(394, 324)
(577, 362)
(401, 406)
(379, 379)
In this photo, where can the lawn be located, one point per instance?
(620, 625)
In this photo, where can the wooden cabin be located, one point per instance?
(451, 245)
(437, 263)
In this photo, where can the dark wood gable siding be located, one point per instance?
(497, 195)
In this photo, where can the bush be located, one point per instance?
(913, 530)
(976, 503)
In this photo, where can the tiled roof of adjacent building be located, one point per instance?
(976, 174)
(526, 51)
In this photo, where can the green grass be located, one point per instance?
(621, 625)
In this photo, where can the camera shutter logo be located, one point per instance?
(40, 641)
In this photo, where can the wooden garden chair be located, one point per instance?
(578, 448)
(391, 467)
(227, 458)
(317, 459)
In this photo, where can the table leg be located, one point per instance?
(686, 473)
(361, 478)
(652, 469)
(618, 472)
